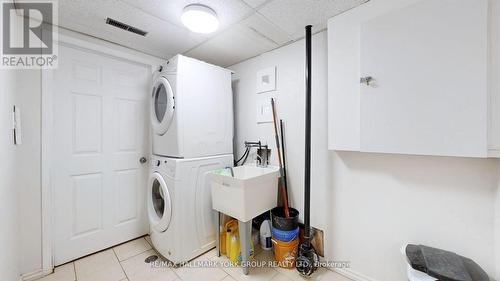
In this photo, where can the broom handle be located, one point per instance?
(287, 213)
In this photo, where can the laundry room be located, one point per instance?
(342, 140)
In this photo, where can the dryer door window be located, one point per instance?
(160, 102)
(162, 105)
(159, 203)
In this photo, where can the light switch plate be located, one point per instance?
(264, 110)
(266, 80)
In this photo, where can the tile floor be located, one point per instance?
(126, 262)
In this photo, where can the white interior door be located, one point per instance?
(429, 65)
(100, 123)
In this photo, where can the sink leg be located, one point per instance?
(217, 232)
(245, 229)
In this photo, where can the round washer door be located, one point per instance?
(162, 105)
(159, 203)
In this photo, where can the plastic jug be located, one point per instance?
(265, 235)
(228, 238)
(225, 239)
(234, 251)
(250, 255)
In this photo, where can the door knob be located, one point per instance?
(143, 160)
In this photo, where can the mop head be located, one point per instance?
(307, 260)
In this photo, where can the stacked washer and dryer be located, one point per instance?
(192, 124)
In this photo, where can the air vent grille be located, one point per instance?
(126, 27)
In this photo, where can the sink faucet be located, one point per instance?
(260, 162)
(231, 170)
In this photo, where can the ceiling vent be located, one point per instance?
(126, 27)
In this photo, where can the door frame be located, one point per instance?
(97, 46)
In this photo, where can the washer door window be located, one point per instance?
(159, 203)
(162, 105)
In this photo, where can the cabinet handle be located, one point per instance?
(366, 80)
(143, 160)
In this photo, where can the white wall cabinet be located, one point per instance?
(431, 64)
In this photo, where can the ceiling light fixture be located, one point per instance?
(200, 19)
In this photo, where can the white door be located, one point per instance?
(100, 134)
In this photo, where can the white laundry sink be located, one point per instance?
(252, 191)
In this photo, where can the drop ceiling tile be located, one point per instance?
(266, 29)
(255, 3)
(231, 46)
(89, 17)
(228, 11)
(293, 15)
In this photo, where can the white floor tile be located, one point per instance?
(195, 273)
(208, 255)
(64, 272)
(101, 266)
(280, 277)
(256, 274)
(132, 248)
(106, 267)
(137, 270)
(322, 274)
(328, 275)
(200, 273)
(265, 256)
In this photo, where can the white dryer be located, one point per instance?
(192, 109)
(180, 206)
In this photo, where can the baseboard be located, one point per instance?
(494, 153)
(351, 274)
(37, 274)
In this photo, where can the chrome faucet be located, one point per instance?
(231, 170)
(260, 162)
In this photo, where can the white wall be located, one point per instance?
(28, 98)
(369, 204)
(8, 194)
(290, 107)
(497, 229)
(381, 201)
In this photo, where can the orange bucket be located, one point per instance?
(285, 253)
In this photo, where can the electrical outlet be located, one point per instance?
(264, 111)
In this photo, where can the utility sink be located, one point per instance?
(252, 191)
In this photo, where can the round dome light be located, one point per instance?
(200, 19)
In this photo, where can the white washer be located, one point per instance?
(192, 109)
(180, 206)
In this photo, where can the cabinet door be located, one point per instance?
(428, 96)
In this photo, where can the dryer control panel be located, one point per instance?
(164, 165)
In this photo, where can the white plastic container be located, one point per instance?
(265, 235)
(415, 275)
(251, 192)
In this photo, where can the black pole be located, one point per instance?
(307, 161)
(284, 160)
